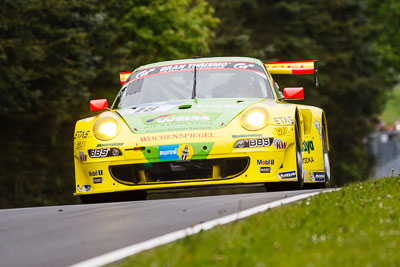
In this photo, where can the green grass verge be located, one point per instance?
(356, 226)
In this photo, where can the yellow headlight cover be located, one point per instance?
(254, 118)
(106, 128)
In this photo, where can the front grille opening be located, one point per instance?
(124, 174)
(234, 167)
(174, 171)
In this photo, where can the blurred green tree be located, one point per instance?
(54, 56)
(44, 60)
(138, 32)
(339, 34)
(384, 19)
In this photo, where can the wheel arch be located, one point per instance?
(300, 118)
(325, 125)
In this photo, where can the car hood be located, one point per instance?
(184, 115)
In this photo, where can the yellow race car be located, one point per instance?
(196, 122)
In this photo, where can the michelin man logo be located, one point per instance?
(85, 188)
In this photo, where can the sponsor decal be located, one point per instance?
(82, 156)
(265, 162)
(79, 145)
(182, 117)
(159, 118)
(287, 175)
(98, 180)
(176, 136)
(243, 66)
(175, 152)
(144, 72)
(110, 144)
(168, 152)
(308, 146)
(185, 151)
(245, 135)
(85, 188)
(234, 65)
(317, 126)
(265, 169)
(81, 134)
(308, 160)
(283, 120)
(279, 144)
(180, 67)
(96, 173)
(104, 152)
(318, 176)
(259, 142)
(281, 130)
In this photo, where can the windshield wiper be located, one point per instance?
(194, 83)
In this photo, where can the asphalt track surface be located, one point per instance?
(66, 235)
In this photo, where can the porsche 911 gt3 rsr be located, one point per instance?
(196, 122)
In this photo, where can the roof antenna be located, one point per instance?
(201, 53)
(316, 73)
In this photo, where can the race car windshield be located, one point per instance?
(177, 83)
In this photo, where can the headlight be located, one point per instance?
(106, 128)
(254, 118)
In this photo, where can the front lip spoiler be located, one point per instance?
(199, 190)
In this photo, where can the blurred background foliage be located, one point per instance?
(56, 55)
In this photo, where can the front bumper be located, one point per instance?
(148, 161)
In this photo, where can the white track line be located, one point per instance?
(167, 238)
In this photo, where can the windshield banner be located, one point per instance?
(225, 65)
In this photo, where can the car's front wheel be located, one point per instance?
(327, 167)
(299, 160)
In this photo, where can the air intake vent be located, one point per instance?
(184, 106)
(174, 171)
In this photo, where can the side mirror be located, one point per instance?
(98, 104)
(294, 93)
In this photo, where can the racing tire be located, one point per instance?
(327, 168)
(325, 154)
(299, 161)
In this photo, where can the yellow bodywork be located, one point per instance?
(88, 171)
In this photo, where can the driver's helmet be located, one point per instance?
(242, 84)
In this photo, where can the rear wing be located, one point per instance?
(294, 67)
(123, 76)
